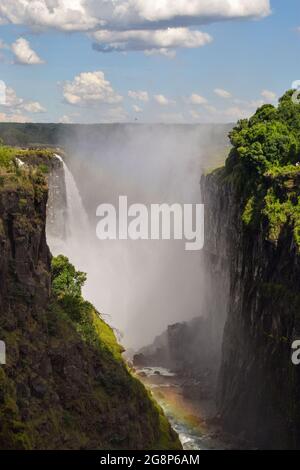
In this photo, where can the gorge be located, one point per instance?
(224, 319)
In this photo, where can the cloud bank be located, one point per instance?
(163, 41)
(132, 25)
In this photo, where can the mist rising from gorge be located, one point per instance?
(141, 286)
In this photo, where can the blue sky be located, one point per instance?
(191, 64)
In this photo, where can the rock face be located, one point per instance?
(259, 387)
(57, 390)
(187, 348)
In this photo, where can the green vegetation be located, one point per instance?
(67, 286)
(19, 134)
(264, 167)
(22, 168)
(269, 138)
(68, 304)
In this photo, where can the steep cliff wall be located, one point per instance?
(258, 394)
(186, 348)
(65, 385)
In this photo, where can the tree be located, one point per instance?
(270, 137)
(65, 279)
(67, 286)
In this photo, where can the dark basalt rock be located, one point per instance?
(259, 387)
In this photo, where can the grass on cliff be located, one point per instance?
(68, 304)
(264, 167)
(19, 166)
(67, 286)
(9, 154)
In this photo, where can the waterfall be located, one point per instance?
(72, 238)
(70, 233)
(77, 219)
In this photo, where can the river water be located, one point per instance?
(189, 418)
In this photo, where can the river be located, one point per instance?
(191, 419)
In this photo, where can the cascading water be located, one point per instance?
(71, 240)
(77, 223)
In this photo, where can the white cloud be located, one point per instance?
(90, 88)
(163, 41)
(66, 119)
(250, 104)
(237, 112)
(14, 107)
(196, 99)
(162, 100)
(139, 95)
(24, 54)
(66, 15)
(222, 93)
(17, 117)
(230, 114)
(70, 118)
(170, 53)
(241, 110)
(132, 24)
(268, 95)
(86, 15)
(33, 107)
(137, 109)
(11, 98)
(206, 109)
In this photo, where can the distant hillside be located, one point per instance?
(32, 134)
(53, 134)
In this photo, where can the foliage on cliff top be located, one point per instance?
(24, 169)
(8, 154)
(264, 165)
(271, 137)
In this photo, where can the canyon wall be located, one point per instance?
(258, 391)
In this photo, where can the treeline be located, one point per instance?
(32, 134)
